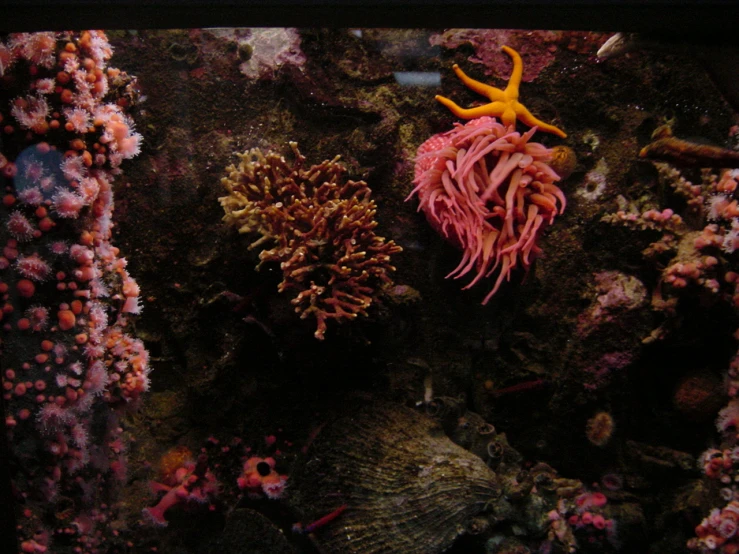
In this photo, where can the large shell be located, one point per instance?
(407, 487)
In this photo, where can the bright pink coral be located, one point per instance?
(488, 190)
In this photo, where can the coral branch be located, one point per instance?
(321, 230)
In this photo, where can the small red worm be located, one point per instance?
(526, 385)
(328, 518)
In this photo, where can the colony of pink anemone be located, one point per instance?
(489, 191)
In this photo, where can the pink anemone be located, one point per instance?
(489, 191)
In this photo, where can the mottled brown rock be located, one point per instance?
(699, 396)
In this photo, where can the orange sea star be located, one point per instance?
(504, 103)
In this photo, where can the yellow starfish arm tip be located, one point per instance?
(556, 131)
(532, 121)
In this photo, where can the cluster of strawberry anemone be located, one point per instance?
(60, 95)
(583, 518)
(319, 228)
(71, 368)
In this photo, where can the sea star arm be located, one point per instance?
(495, 109)
(511, 91)
(529, 119)
(495, 94)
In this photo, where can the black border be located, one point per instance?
(679, 18)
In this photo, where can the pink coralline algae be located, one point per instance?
(615, 294)
(699, 256)
(70, 367)
(488, 190)
(537, 48)
(271, 49)
(599, 373)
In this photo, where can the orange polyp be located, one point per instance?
(67, 96)
(86, 238)
(67, 319)
(41, 128)
(25, 288)
(46, 224)
(85, 39)
(65, 56)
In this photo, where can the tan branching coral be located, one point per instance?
(317, 226)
